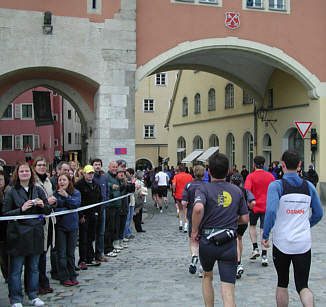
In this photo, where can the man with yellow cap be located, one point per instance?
(90, 194)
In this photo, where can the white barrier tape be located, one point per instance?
(35, 216)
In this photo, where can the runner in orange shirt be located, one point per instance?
(178, 184)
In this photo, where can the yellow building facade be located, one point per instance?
(209, 111)
(152, 102)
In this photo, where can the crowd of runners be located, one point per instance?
(214, 205)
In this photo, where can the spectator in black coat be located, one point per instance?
(90, 194)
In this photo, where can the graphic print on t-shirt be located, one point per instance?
(224, 199)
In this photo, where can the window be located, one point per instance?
(69, 114)
(208, 1)
(197, 103)
(148, 105)
(55, 117)
(6, 142)
(28, 140)
(93, 4)
(213, 141)
(229, 96)
(255, 3)
(198, 142)
(54, 93)
(76, 138)
(230, 149)
(7, 113)
(277, 5)
(185, 106)
(181, 149)
(248, 150)
(270, 102)
(27, 111)
(149, 131)
(247, 99)
(56, 142)
(161, 79)
(69, 138)
(211, 100)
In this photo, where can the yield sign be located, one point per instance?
(28, 149)
(303, 127)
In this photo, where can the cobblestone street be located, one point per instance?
(153, 271)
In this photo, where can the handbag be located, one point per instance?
(25, 237)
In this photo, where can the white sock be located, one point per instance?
(180, 223)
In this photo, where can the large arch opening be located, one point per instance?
(77, 94)
(232, 58)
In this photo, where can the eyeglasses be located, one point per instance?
(40, 165)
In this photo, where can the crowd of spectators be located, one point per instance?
(25, 242)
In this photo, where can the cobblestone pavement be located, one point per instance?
(153, 271)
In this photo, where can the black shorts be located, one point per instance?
(225, 255)
(253, 218)
(162, 191)
(242, 229)
(301, 268)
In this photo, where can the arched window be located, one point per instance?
(198, 143)
(213, 141)
(229, 96)
(230, 149)
(248, 151)
(197, 103)
(267, 149)
(211, 100)
(181, 149)
(185, 106)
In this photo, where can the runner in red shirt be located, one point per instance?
(178, 184)
(257, 183)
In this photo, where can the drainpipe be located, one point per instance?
(255, 129)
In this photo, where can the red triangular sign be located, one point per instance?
(303, 127)
(28, 149)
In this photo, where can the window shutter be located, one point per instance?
(17, 111)
(18, 142)
(36, 141)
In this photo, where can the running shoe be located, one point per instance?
(180, 225)
(200, 272)
(161, 210)
(17, 305)
(192, 268)
(264, 260)
(239, 271)
(185, 227)
(36, 302)
(111, 254)
(255, 254)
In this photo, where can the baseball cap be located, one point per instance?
(121, 162)
(311, 166)
(88, 169)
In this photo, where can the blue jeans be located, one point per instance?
(66, 245)
(15, 274)
(127, 232)
(100, 230)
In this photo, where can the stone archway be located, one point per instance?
(234, 57)
(85, 114)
